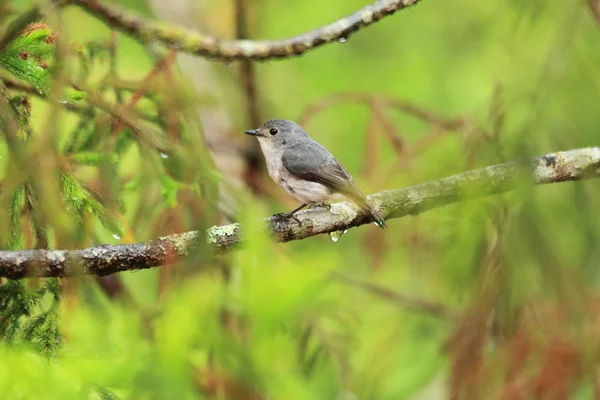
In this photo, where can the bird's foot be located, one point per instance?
(289, 215)
(320, 204)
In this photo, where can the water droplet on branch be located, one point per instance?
(337, 235)
(342, 39)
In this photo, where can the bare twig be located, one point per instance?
(254, 159)
(139, 93)
(112, 73)
(572, 165)
(412, 303)
(145, 133)
(369, 99)
(205, 45)
(247, 72)
(13, 84)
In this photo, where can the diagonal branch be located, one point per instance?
(205, 45)
(411, 303)
(82, 109)
(572, 165)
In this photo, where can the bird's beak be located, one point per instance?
(253, 132)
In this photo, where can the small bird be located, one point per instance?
(305, 170)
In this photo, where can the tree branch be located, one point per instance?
(77, 108)
(572, 165)
(412, 303)
(205, 45)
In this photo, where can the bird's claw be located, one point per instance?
(286, 216)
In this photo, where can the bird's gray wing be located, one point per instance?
(312, 162)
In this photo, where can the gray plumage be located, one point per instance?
(306, 170)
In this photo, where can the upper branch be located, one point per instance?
(572, 165)
(209, 46)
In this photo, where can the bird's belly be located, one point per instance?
(300, 190)
(305, 191)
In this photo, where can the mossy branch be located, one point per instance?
(205, 45)
(572, 165)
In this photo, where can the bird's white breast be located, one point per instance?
(301, 190)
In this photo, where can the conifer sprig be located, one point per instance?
(27, 56)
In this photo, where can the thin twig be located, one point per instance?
(412, 303)
(253, 155)
(384, 101)
(141, 90)
(145, 133)
(13, 84)
(205, 45)
(572, 165)
(113, 75)
(248, 75)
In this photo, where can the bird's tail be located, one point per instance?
(372, 212)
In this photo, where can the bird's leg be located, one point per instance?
(291, 214)
(320, 204)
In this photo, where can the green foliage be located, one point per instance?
(81, 201)
(21, 314)
(82, 138)
(169, 188)
(23, 55)
(90, 54)
(16, 302)
(516, 274)
(43, 330)
(74, 96)
(92, 158)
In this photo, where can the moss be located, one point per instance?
(217, 233)
(181, 242)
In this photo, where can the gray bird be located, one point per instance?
(306, 170)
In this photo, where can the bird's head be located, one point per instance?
(278, 132)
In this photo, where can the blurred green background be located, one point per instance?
(514, 277)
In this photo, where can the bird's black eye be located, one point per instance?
(274, 131)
